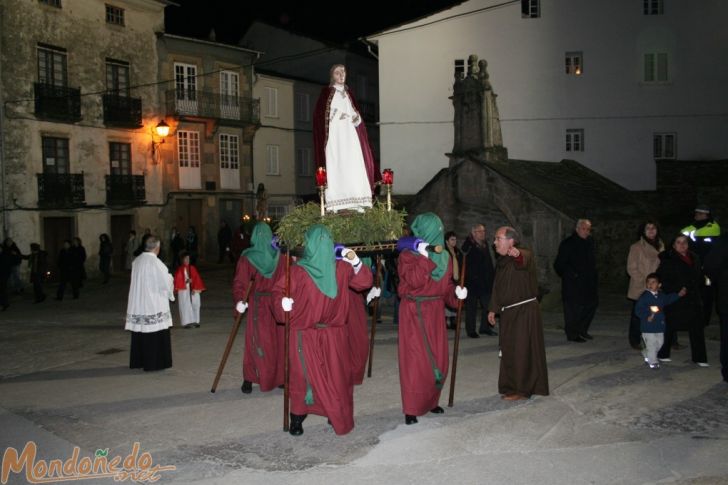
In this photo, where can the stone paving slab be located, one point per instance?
(65, 382)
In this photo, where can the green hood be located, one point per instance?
(319, 260)
(261, 254)
(428, 227)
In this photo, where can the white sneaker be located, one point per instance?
(500, 354)
(703, 364)
(665, 360)
(654, 366)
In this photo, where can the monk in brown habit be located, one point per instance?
(523, 365)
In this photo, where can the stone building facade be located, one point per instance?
(77, 86)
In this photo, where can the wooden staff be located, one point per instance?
(377, 282)
(456, 346)
(286, 348)
(231, 339)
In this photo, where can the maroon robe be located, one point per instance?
(423, 343)
(264, 339)
(319, 347)
(321, 134)
(358, 333)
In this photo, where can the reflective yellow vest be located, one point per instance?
(711, 229)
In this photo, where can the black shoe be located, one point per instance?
(296, 428)
(492, 333)
(196, 325)
(409, 419)
(586, 336)
(576, 339)
(437, 410)
(247, 387)
(473, 335)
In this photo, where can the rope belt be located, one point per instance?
(309, 390)
(256, 331)
(518, 304)
(437, 373)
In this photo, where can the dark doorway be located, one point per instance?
(120, 227)
(55, 231)
(189, 213)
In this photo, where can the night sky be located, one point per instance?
(335, 21)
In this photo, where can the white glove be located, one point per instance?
(373, 293)
(422, 249)
(354, 262)
(461, 293)
(241, 306)
(287, 304)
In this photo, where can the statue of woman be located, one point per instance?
(341, 145)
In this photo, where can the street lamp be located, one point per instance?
(161, 130)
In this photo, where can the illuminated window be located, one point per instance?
(574, 63)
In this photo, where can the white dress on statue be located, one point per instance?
(347, 182)
(188, 302)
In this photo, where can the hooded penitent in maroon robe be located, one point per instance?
(320, 364)
(423, 347)
(264, 339)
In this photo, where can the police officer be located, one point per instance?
(703, 233)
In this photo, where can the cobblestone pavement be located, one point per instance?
(65, 382)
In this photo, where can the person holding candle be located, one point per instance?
(341, 145)
(649, 309)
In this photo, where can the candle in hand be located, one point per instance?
(654, 309)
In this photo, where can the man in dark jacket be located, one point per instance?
(716, 267)
(479, 275)
(38, 265)
(577, 265)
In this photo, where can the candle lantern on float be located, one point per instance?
(388, 181)
(321, 185)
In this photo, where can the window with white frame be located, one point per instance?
(575, 140)
(114, 15)
(229, 151)
(271, 102)
(303, 107)
(664, 146)
(656, 67)
(188, 149)
(530, 9)
(272, 166)
(653, 7)
(459, 68)
(303, 161)
(574, 63)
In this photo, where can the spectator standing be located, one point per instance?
(716, 267)
(69, 271)
(8, 259)
(680, 268)
(176, 245)
(79, 253)
(189, 286)
(643, 259)
(148, 317)
(479, 274)
(38, 266)
(576, 263)
(15, 283)
(106, 250)
(224, 238)
(191, 243)
(456, 256)
(650, 308)
(130, 248)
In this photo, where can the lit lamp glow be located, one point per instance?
(161, 130)
(321, 184)
(388, 181)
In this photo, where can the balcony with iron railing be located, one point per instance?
(208, 104)
(61, 190)
(57, 102)
(122, 111)
(125, 190)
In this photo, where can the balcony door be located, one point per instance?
(188, 154)
(55, 155)
(185, 83)
(229, 95)
(229, 161)
(120, 158)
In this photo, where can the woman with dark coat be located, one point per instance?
(105, 252)
(680, 268)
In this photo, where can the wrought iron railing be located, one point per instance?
(122, 111)
(61, 190)
(208, 104)
(57, 102)
(125, 189)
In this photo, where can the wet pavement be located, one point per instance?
(65, 383)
